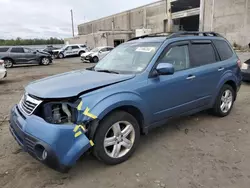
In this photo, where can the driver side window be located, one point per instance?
(178, 56)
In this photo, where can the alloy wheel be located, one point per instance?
(226, 101)
(8, 63)
(45, 61)
(119, 139)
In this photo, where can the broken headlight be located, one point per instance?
(60, 113)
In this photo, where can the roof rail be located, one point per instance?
(194, 33)
(152, 35)
(178, 34)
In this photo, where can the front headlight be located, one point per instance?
(60, 113)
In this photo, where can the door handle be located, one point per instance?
(191, 77)
(221, 69)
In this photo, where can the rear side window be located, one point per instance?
(75, 47)
(224, 49)
(4, 49)
(202, 54)
(17, 50)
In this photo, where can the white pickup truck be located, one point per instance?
(70, 50)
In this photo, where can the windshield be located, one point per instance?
(129, 57)
(95, 50)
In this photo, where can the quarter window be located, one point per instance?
(202, 54)
(17, 50)
(4, 49)
(223, 48)
(178, 56)
(75, 47)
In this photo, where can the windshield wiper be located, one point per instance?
(108, 71)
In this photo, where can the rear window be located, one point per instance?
(202, 54)
(4, 49)
(224, 49)
(17, 50)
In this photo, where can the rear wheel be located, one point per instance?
(8, 63)
(81, 52)
(224, 102)
(95, 59)
(116, 138)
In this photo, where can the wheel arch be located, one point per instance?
(128, 102)
(229, 79)
(7, 57)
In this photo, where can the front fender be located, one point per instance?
(107, 104)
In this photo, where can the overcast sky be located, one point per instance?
(51, 18)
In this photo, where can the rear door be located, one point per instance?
(75, 50)
(204, 61)
(17, 53)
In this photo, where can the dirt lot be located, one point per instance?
(196, 151)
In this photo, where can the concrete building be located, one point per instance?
(231, 18)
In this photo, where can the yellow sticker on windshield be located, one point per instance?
(145, 49)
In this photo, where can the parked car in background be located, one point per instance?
(49, 49)
(96, 54)
(245, 69)
(140, 85)
(3, 71)
(70, 50)
(22, 55)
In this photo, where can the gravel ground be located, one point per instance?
(196, 151)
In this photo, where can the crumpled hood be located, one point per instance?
(71, 84)
(87, 53)
(44, 53)
(57, 50)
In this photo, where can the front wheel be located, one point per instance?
(116, 138)
(45, 61)
(224, 102)
(95, 59)
(61, 56)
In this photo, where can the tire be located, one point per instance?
(81, 52)
(8, 63)
(45, 61)
(106, 130)
(226, 99)
(95, 59)
(61, 56)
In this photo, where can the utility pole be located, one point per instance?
(72, 22)
(169, 15)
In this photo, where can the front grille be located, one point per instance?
(28, 104)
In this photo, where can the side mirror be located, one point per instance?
(165, 69)
(100, 52)
(35, 52)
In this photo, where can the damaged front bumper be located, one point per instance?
(54, 145)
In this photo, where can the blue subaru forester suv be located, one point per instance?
(138, 86)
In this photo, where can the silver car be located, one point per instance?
(3, 71)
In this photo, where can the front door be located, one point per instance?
(103, 52)
(172, 95)
(29, 56)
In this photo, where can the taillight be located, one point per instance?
(239, 63)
